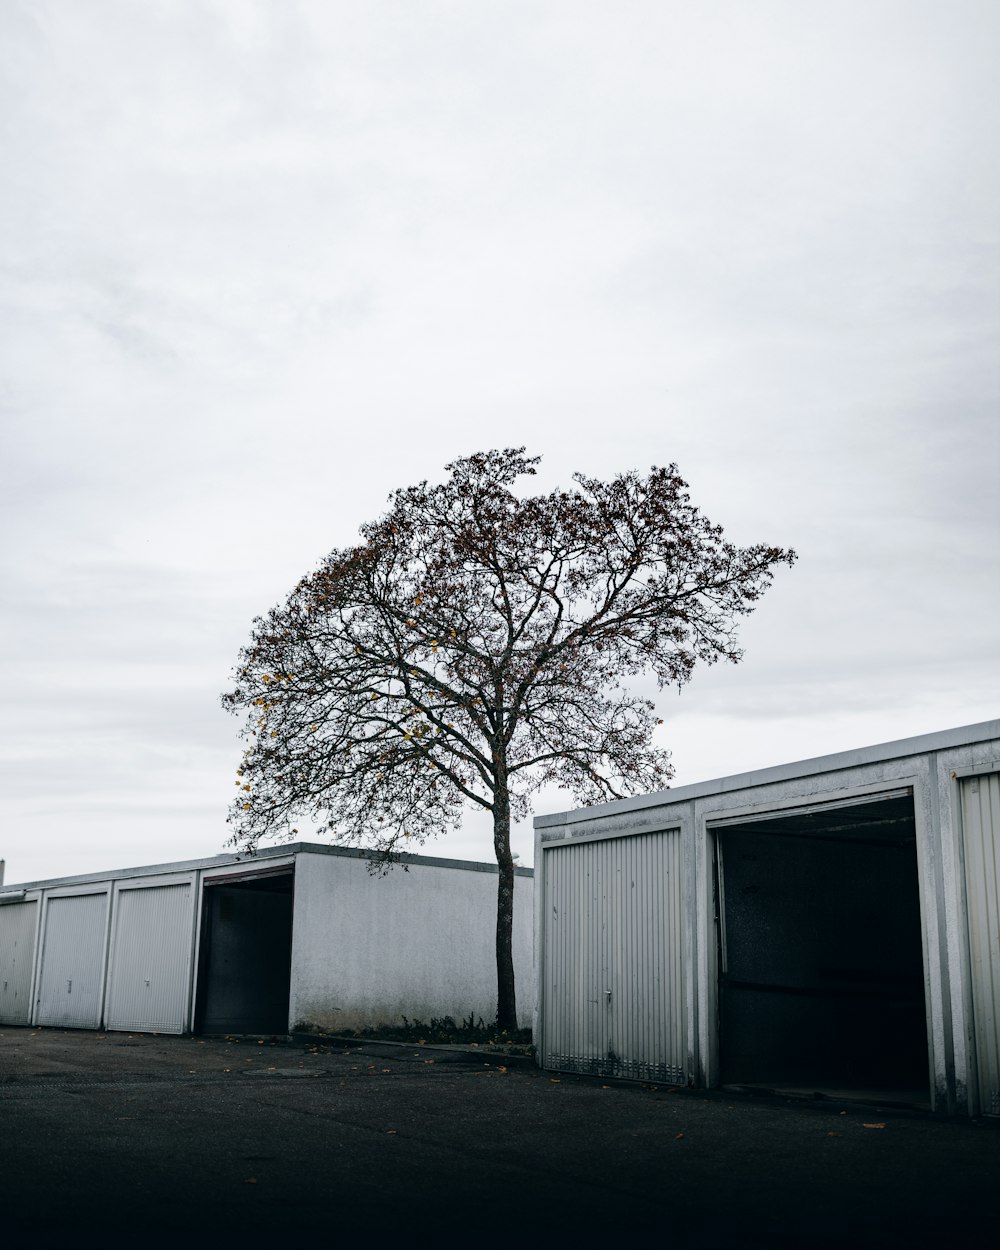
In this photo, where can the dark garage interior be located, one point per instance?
(821, 981)
(246, 955)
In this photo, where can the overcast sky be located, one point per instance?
(264, 262)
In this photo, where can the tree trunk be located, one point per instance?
(506, 1001)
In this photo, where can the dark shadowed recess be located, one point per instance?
(821, 960)
(245, 955)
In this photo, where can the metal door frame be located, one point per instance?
(973, 1078)
(30, 896)
(711, 823)
(201, 946)
(104, 888)
(127, 884)
(677, 826)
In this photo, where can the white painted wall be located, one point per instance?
(368, 950)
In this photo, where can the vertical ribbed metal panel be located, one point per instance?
(72, 961)
(612, 965)
(981, 833)
(150, 960)
(17, 946)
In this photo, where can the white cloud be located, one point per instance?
(261, 263)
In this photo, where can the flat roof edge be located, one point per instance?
(147, 870)
(289, 849)
(940, 740)
(406, 857)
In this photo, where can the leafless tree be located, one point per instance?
(472, 648)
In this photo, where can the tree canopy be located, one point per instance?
(475, 646)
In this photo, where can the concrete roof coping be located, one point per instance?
(943, 739)
(289, 850)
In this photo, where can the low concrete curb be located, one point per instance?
(460, 1053)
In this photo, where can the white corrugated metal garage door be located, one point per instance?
(73, 961)
(613, 992)
(17, 946)
(150, 964)
(981, 834)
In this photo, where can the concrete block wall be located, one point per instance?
(369, 950)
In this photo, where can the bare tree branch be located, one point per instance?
(472, 648)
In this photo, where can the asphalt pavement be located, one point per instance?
(164, 1140)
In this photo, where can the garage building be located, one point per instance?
(827, 926)
(303, 936)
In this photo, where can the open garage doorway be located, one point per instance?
(244, 965)
(821, 977)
